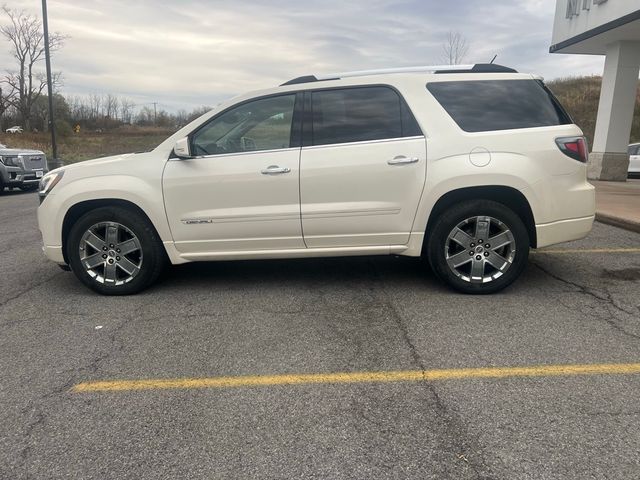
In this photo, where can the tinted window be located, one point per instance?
(634, 149)
(263, 124)
(360, 114)
(480, 106)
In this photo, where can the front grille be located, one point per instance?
(34, 162)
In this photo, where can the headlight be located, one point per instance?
(9, 161)
(48, 182)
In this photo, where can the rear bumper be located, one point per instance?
(563, 230)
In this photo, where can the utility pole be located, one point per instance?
(52, 124)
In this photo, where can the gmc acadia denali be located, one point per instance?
(469, 166)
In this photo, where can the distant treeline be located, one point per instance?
(97, 112)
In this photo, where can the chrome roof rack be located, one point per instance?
(470, 68)
(387, 71)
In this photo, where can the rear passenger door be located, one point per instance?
(362, 169)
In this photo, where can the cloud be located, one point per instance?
(196, 52)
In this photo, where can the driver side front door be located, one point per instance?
(240, 193)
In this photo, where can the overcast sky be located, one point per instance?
(189, 53)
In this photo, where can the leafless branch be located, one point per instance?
(25, 34)
(455, 48)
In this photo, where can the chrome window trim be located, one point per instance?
(235, 154)
(365, 142)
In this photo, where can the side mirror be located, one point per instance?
(182, 149)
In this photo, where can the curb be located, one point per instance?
(618, 222)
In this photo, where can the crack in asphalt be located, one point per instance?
(468, 448)
(58, 393)
(28, 289)
(604, 297)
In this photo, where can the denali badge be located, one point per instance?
(196, 221)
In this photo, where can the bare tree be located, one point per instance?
(454, 49)
(24, 33)
(126, 110)
(95, 106)
(110, 103)
(5, 103)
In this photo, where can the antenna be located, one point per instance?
(494, 58)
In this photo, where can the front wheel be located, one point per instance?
(478, 247)
(115, 251)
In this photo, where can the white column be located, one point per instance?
(609, 159)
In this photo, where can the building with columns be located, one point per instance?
(611, 28)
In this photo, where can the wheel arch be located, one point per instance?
(79, 209)
(508, 196)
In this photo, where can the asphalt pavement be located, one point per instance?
(576, 304)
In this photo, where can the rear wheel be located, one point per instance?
(115, 251)
(478, 246)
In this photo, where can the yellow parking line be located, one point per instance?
(588, 250)
(358, 377)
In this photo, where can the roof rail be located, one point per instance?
(386, 71)
(471, 68)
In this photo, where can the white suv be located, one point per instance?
(469, 166)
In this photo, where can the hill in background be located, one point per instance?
(580, 96)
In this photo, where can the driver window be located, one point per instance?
(259, 125)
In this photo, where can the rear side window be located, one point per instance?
(486, 105)
(634, 150)
(359, 115)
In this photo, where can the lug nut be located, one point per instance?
(104, 248)
(118, 259)
(111, 245)
(486, 254)
(118, 250)
(472, 245)
(471, 253)
(487, 246)
(104, 255)
(479, 241)
(479, 257)
(111, 261)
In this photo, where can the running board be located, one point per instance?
(294, 253)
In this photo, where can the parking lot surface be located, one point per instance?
(251, 348)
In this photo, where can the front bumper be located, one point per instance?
(54, 254)
(17, 178)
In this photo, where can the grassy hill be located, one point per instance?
(580, 97)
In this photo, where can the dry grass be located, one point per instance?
(87, 145)
(580, 96)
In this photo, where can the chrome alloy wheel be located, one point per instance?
(480, 249)
(110, 253)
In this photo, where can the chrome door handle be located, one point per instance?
(402, 160)
(275, 170)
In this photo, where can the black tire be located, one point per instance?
(153, 258)
(446, 223)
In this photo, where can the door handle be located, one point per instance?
(275, 170)
(402, 160)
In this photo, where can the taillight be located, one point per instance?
(574, 147)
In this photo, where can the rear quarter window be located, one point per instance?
(488, 105)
